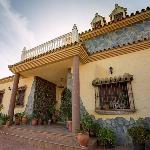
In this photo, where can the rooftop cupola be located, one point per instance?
(118, 13)
(98, 21)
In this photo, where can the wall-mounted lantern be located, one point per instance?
(111, 70)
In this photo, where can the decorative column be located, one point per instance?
(75, 95)
(13, 97)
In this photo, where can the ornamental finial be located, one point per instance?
(24, 49)
(74, 27)
(75, 35)
(116, 5)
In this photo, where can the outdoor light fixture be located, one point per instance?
(61, 85)
(111, 70)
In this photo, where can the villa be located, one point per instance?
(107, 68)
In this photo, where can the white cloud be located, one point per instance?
(14, 35)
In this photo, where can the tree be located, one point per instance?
(66, 106)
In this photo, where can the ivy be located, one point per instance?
(44, 98)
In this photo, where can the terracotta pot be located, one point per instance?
(34, 122)
(17, 121)
(83, 139)
(40, 122)
(8, 123)
(24, 120)
(69, 125)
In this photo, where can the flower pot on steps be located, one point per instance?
(83, 139)
(34, 122)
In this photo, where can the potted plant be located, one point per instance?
(34, 120)
(66, 109)
(69, 125)
(87, 123)
(8, 122)
(55, 116)
(138, 135)
(4, 118)
(18, 117)
(24, 118)
(83, 137)
(40, 120)
(45, 119)
(52, 112)
(106, 137)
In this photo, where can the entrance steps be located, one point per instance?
(44, 139)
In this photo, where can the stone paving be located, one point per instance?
(7, 143)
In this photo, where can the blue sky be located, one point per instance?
(32, 22)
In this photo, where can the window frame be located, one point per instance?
(22, 88)
(2, 92)
(125, 78)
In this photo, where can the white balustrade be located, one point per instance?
(52, 44)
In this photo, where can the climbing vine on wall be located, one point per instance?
(66, 106)
(44, 96)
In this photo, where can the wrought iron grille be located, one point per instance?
(113, 96)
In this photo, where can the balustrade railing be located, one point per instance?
(52, 44)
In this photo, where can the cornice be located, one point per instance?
(51, 57)
(120, 50)
(6, 79)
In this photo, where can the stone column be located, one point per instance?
(13, 96)
(75, 95)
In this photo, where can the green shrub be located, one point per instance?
(86, 122)
(3, 118)
(66, 106)
(95, 127)
(138, 134)
(106, 136)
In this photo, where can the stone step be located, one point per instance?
(45, 140)
(61, 138)
(40, 144)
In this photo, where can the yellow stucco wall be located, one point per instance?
(137, 64)
(7, 94)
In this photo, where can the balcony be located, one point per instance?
(60, 41)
